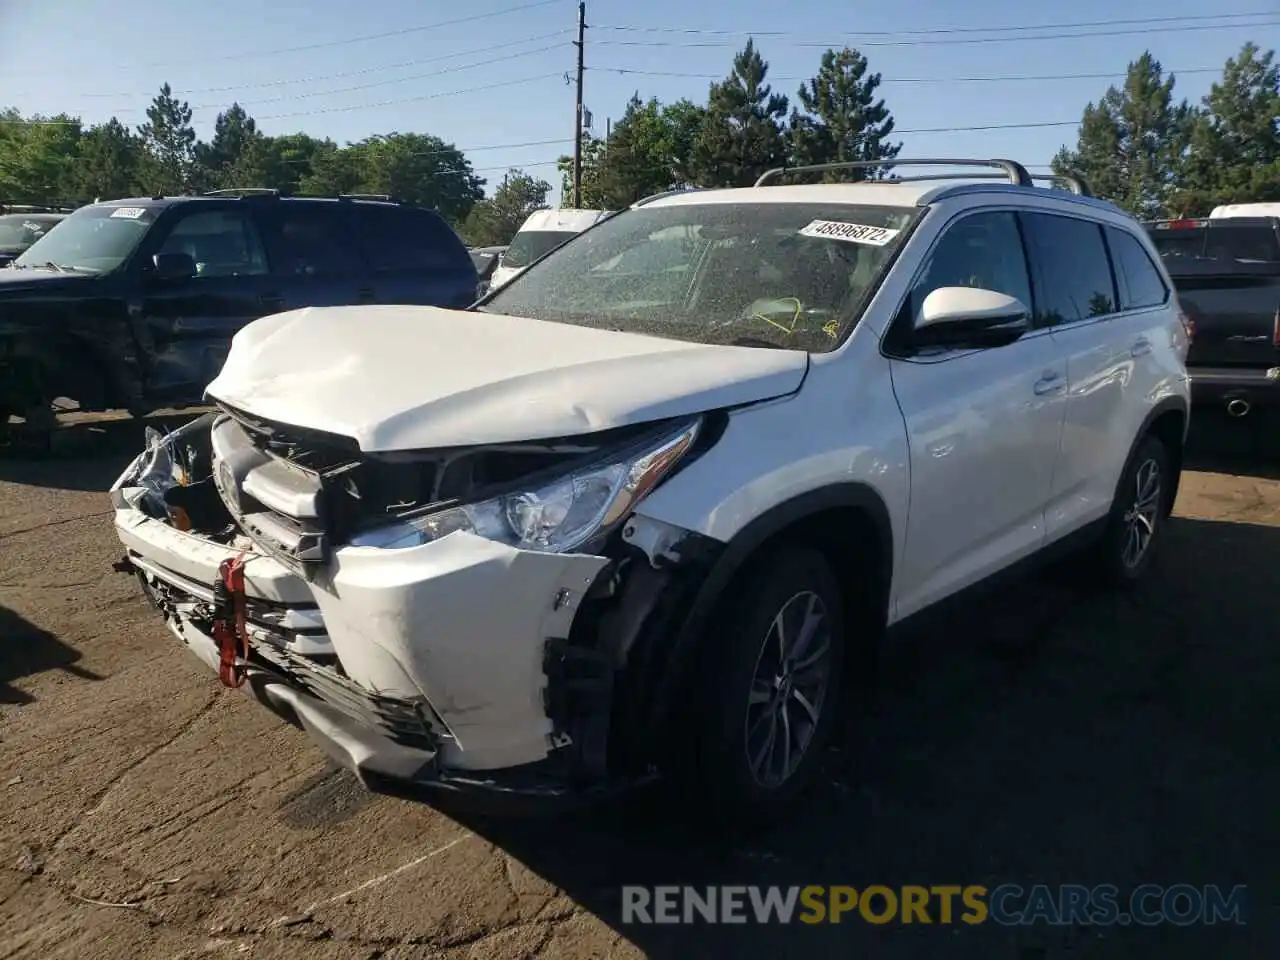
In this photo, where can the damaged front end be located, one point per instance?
(479, 619)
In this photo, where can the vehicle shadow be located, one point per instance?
(1049, 735)
(88, 452)
(25, 650)
(1248, 446)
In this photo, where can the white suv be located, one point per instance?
(647, 508)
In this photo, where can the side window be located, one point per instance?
(1143, 286)
(407, 241)
(311, 242)
(1073, 267)
(981, 250)
(223, 243)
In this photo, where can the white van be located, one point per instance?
(540, 234)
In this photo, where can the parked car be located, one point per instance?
(1227, 272)
(18, 231)
(487, 260)
(650, 504)
(132, 304)
(542, 232)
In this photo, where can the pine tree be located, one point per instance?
(170, 141)
(843, 120)
(741, 135)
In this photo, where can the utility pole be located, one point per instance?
(577, 122)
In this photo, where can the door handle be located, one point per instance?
(1049, 382)
(1141, 347)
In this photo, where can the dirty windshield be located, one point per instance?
(787, 275)
(529, 245)
(91, 240)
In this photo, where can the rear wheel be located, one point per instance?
(771, 682)
(1138, 513)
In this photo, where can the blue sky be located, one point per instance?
(305, 65)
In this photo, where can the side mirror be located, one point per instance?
(970, 317)
(174, 266)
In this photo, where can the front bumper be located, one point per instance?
(419, 667)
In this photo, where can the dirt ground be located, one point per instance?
(1048, 736)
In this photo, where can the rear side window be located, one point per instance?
(1071, 262)
(400, 240)
(1143, 286)
(312, 240)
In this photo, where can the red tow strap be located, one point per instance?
(229, 630)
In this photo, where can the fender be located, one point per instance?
(682, 648)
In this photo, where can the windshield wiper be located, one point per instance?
(50, 265)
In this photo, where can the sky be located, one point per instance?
(494, 76)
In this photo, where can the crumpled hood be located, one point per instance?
(406, 378)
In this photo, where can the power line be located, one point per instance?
(941, 30)
(475, 51)
(399, 32)
(1011, 78)
(947, 41)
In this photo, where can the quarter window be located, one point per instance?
(223, 243)
(983, 250)
(399, 240)
(1142, 284)
(1074, 270)
(311, 242)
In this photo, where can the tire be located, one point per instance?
(1123, 553)
(739, 664)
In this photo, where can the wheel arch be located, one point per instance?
(1168, 422)
(831, 518)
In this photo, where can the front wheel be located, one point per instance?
(770, 682)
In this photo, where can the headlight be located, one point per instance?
(556, 517)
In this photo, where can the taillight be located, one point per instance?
(1189, 325)
(1180, 224)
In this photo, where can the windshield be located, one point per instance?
(1251, 243)
(19, 230)
(788, 275)
(93, 239)
(529, 245)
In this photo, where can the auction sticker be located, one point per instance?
(129, 213)
(852, 232)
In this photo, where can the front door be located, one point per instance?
(186, 325)
(983, 426)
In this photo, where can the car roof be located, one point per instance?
(162, 202)
(915, 193)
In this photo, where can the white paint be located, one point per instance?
(390, 874)
(849, 232)
(402, 378)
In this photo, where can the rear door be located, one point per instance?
(1227, 273)
(314, 255)
(185, 325)
(414, 257)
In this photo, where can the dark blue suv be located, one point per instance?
(132, 304)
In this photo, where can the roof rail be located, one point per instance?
(1073, 183)
(1015, 171)
(244, 192)
(658, 196)
(384, 197)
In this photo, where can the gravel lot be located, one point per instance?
(1053, 737)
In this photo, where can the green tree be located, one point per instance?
(169, 140)
(108, 160)
(495, 220)
(1131, 142)
(843, 120)
(593, 160)
(741, 135)
(1234, 151)
(234, 133)
(37, 157)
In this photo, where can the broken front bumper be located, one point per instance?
(422, 665)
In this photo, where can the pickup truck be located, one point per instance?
(1226, 270)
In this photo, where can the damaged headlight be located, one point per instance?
(558, 516)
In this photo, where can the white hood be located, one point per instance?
(406, 378)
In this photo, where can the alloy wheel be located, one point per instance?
(1143, 514)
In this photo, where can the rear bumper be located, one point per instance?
(1256, 386)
